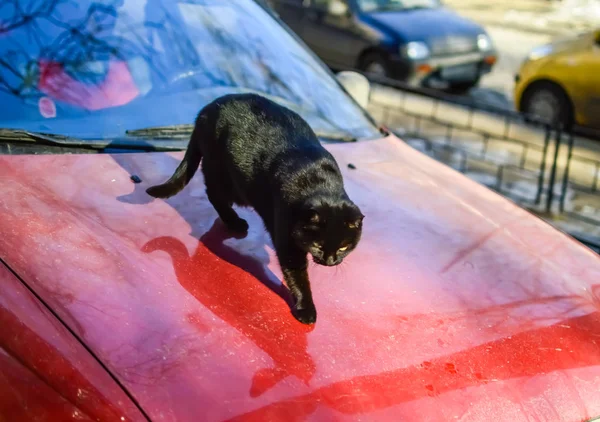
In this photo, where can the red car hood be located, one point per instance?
(457, 305)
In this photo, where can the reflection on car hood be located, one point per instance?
(424, 24)
(456, 304)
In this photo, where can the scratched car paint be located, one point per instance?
(457, 305)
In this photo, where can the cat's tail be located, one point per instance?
(183, 174)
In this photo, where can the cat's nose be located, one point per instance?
(330, 260)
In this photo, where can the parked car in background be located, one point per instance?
(417, 41)
(457, 304)
(560, 81)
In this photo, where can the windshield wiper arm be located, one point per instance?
(55, 140)
(25, 136)
(184, 132)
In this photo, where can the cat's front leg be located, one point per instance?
(294, 267)
(304, 308)
(293, 264)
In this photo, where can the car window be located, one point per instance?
(94, 69)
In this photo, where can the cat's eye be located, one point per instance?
(343, 248)
(354, 225)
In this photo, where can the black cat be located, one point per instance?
(257, 153)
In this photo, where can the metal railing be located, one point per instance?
(537, 164)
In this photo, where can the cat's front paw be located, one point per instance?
(239, 226)
(305, 316)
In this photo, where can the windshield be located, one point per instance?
(379, 5)
(96, 69)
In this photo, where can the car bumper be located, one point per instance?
(465, 68)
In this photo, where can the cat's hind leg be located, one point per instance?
(220, 194)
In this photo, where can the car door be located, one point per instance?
(336, 39)
(589, 75)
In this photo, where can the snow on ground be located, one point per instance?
(575, 14)
(582, 10)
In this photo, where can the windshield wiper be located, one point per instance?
(163, 132)
(25, 136)
(184, 132)
(56, 140)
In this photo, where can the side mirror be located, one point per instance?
(357, 86)
(337, 8)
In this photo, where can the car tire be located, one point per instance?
(376, 64)
(548, 102)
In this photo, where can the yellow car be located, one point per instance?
(560, 81)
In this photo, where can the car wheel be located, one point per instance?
(548, 102)
(376, 65)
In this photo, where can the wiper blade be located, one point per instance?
(56, 140)
(25, 136)
(184, 132)
(162, 132)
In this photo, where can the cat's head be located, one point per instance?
(328, 229)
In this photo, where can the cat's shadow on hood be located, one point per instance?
(214, 239)
(232, 294)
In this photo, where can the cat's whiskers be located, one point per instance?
(340, 268)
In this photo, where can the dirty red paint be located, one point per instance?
(44, 374)
(369, 393)
(252, 308)
(457, 304)
(451, 368)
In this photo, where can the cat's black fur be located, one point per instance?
(257, 153)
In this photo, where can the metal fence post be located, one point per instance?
(595, 183)
(565, 183)
(538, 196)
(499, 178)
(550, 197)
